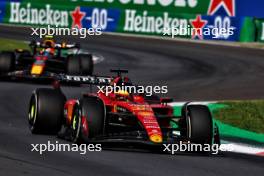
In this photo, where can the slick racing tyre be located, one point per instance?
(79, 65)
(198, 124)
(7, 61)
(86, 64)
(73, 66)
(93, 110)
(73, 130)
(46, 111)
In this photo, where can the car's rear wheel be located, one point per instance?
(79, 64)
(198, 124)
(7, 61)
(86, 64)
(93, 110)
(46, 111)
(73, 65)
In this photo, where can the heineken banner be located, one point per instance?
(151, 17)
(260, 30)
(175, 6)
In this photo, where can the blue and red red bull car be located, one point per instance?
(44, 60)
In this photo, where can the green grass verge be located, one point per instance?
(248, 115)
(9, 44)
(228, 130)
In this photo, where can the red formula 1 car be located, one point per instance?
(45, 59)
(118, 116)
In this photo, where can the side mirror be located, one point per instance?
(56, 84)
(19, 50)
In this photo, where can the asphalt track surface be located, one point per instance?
(191, 71)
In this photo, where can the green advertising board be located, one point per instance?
(50, 12)
(38, 14)
(151, 17)
(148, 22)
(248, 30)
(260, 29)
(173, 6)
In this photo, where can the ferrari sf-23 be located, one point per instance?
(117, 117)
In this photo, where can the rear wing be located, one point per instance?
(34, 45)
(89, 80)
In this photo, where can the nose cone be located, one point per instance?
(36, 69)
(156, 138)
(151, 125)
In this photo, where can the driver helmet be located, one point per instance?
(49, 41)
(122, 95)
(63, 44)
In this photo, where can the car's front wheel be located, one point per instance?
(45, 112)
(198, 125)
(7, 62)
(93, 118)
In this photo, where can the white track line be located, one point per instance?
(192, 103)
(246, 149)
